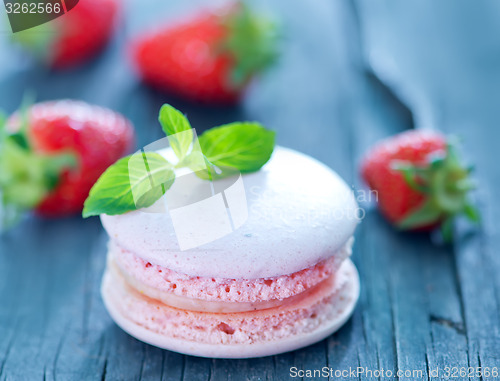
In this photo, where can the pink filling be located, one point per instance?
(326, 302)
(220, 289)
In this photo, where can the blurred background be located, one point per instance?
(350, 72)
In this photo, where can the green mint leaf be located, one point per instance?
(246, 146)
(133, 182)
(177, 128)
(206, 170)
(141, 179)
(160, 174)
(199, 164)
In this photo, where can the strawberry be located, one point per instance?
(420, 181)
(74, 37)
(53, 153)
(210, 58)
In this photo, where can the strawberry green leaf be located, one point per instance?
(409, 173)
(21, 134)
(447, 230)
(246, 146)
(39, 40)
(426, 215)
(21, 176)
(54, 164)
(472, 213)
(251, 40)
(177, 128)
(444, 182)
(27, 177)
(3, 133)
(133, 182)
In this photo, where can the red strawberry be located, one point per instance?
(74, 37)
(419, 179)
(210, 58)
(51, 160)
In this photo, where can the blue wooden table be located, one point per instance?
(351, 72)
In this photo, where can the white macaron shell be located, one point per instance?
(299, 213)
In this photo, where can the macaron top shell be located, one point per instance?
(300, 212)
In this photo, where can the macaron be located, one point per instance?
(273, 275)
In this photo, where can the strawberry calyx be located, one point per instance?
(444, 181)
(251, 40)
(40, 41)
(26, 176)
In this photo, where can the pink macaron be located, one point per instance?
(280, 279)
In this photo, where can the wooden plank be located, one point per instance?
(421, 306)
(38, 268)
(91, 345)
(476, 259)
(465, 331)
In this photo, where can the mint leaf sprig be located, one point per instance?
(139, 180)
(178, 130)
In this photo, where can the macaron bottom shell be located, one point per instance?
(234, 335)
